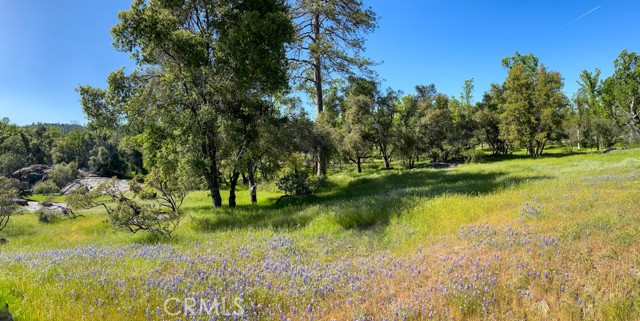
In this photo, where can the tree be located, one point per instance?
(73, 147)
(200, 64)
(7, 206)
(534, 104)
(358, 116)
(329, 40)
(487, 119)
(14, 153)
(410, 139)
(621, 94)
(436, 126)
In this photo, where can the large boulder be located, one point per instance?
(32, 174)
(19, 202)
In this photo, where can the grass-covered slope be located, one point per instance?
(551, 238)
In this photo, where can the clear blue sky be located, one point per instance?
(47, 48)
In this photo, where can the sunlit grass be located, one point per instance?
(518, 238)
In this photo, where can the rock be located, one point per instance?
(92, 182)
(32, 174)
(56, 207)
(19, 202)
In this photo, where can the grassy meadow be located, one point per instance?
(513, 238)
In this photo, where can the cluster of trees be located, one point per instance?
(215, 99)
(90, 149)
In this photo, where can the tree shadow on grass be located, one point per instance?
(362, 203)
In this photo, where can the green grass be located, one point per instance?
(587, 202)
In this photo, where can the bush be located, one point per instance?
(294, 183)
(45, 216)
(160, 218)
(473, 155)
(64, 174)
(46, 188)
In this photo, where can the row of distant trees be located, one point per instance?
(213, 99)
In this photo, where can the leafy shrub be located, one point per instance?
(137, 187)
(64, 174)
(45, 216)
(294, 183)
(46, 188)
(159, 218)
(473, 155)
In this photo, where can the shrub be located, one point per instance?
(46, 188)
(45, 216)
(159, 218)
(473, 155)
(64, 174)
(294, 183)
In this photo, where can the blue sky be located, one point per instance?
(48, 48)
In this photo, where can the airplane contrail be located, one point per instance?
(582, 16)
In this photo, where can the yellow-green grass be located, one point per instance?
(432, 220)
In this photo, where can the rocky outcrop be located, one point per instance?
(59, 208)
(92, 182)
(32, 174)
(19, 202)
(56, 208)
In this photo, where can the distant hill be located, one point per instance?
(65, 128)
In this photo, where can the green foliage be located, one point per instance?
(201, 86)
(473, 155)
(105, 161)
(329, 40)
(159, 218)
(45, 216)
(7, 207)
(73, 147)
(534, 105)
(621, 94)
(47, 187)
(64, 174)
(14, 154)
(294, 183)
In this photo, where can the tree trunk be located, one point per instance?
(233, 182)
(253, 188)
(320, 163)
(212, 175)
(317, 66)
(359, 164)
(387, 161)
(385, 156)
